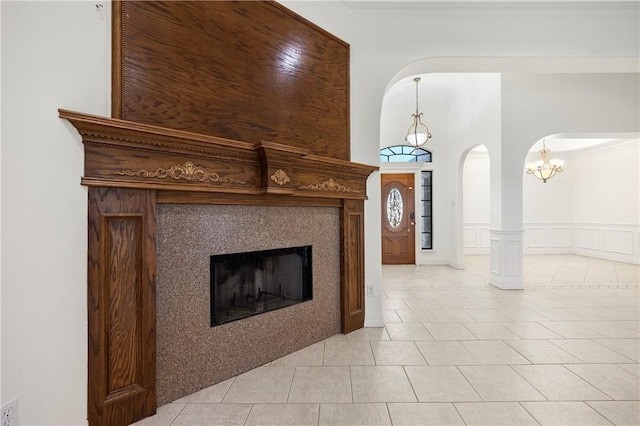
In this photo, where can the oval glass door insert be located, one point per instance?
(394, 207)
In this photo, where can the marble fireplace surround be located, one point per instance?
(135, 173)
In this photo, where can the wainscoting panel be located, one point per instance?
(513, 269)
(561, 237)
(537, 237)
(476, 238)
(470, 237)
(587, 238)
(617, 242)
(495, 256)
(485, 237)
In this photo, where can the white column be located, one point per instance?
(506, 259)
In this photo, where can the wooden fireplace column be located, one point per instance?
(121, 305)
(129, 168)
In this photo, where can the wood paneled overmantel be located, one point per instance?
(124, 154)
(129, 168)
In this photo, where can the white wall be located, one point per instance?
(476, 203)
(591, 209)
(606, 203)
(547, 208)
(536, 105)
(475, 188)
(551, 201)
(54, 54)
(1, 399)
(606, 184)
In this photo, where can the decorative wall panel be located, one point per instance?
(618, 241)
(121, 305)
(611, 241)
(587, 238)
(245, 70)
(352, 265)
(537, 237)
(470, 238)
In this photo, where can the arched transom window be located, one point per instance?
(404, 154)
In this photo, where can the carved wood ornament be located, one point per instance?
(182, 72)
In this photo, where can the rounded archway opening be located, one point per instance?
(476, 209)
(591, 207)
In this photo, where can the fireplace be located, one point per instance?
(159, 202)
(191, 354)
(250, 283)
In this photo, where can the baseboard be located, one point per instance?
(515, 283)
(373, 323)
(615, 257)
(456, 265)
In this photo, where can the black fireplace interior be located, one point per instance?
(250, 283)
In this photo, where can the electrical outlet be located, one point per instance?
(370, 291)
(10, 413)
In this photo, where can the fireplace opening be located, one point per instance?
(250, 283)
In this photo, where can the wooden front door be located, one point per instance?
(398, 219)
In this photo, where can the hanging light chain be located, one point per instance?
(418, 133)
(417, 79)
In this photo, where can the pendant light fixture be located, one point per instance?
(544, 169)
(418, 132)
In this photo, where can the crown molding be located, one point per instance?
(597, 9)
(573, 153)
(607, 146)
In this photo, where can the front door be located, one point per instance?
(398, 219)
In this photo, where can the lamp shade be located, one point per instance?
(417, 138)
(418, 133)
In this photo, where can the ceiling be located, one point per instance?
(441, 90)
(417, 4)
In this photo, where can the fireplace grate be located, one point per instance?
(251, 283)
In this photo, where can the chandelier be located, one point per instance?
(544, 169)
(418, 132)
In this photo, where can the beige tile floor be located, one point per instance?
(457, 351)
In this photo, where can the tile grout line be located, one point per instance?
(528, 412)
(583, 378)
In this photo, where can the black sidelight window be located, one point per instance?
(426, 236)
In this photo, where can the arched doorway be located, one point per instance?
(476, 209)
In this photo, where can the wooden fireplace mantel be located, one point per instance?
(124, 154)
(129, 168)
